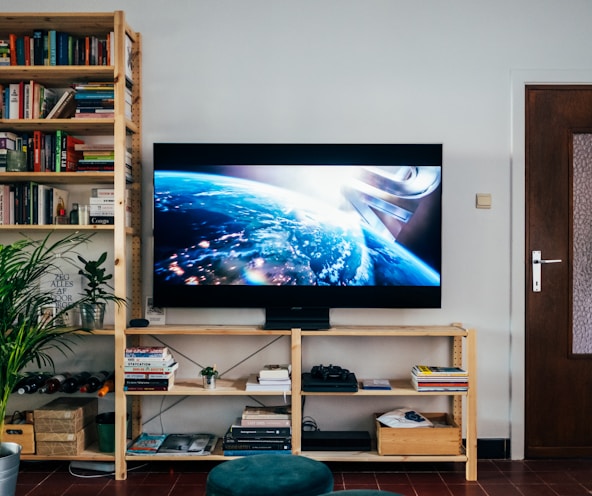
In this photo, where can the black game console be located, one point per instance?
(329, 379)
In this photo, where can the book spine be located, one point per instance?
(146, 388)
(239, 452)
(147, 382)
(254, 432)
(147, 375)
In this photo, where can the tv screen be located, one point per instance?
(297, 229)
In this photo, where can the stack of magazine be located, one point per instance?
(198, 444)
(437, 378)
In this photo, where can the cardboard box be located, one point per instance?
(23, 434)
(65, 443)
(68, 415)
(445, 439)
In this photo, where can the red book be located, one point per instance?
(12, 46)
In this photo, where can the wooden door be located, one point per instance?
(558, 402)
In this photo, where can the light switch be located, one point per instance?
(483, 200)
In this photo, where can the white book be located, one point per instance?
(14, 100)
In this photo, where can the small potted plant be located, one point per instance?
(97, 292)
(209, 375)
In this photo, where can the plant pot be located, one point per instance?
(209, 381)
(92, 315)
(10, 457)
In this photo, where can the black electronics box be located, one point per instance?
(336, 441)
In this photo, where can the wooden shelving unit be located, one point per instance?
(124, 130)
(463, 346)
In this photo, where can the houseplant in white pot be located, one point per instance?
(97, 292)
(28, 333)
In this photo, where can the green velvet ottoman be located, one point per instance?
(270, 475)
(361, 492)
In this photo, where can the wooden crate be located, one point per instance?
(66, 415)
(442, 440)
(23, 434)
(66, 443)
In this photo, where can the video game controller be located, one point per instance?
(330, 372)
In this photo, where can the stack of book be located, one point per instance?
(436, 378)
(96, 157)
(95, 100)
(271, 378)
(149, 368)
(260, 429)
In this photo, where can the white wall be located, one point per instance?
(373, 71)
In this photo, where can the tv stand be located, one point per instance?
(306, 318)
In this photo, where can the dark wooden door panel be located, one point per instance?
(557, 404)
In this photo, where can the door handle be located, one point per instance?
(537, 261)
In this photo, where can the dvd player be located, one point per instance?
(336, 441)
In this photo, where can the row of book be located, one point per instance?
(149, 368)
(260, 429)
(32, 203)
(33, 100)
(30, 100)
(53, 47)
(439, 378)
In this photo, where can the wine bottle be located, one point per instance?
(109, 385)
(54, 383)
(33, 382)
(73, 384)
(94, 382)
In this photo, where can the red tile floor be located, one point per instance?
(495, 478)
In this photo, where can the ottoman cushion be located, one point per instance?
(270, 475)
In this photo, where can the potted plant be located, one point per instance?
(209, 375)
(28, 332)
(97, 292)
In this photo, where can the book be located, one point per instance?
(239, 452)
(254, 385)
(64, 107)
(198, 444)
(147, 375)
(164, 361)
(151, 369)
(146, 443)
(146, 351)
(376, 384)
(267, 412)
(273, 382)
(423, 370)
(274, 371)
(238, 430)
(266, 422)
(258, 443)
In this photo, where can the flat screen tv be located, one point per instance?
(297, 229)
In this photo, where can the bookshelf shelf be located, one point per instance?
(123, 129)
(462, 405)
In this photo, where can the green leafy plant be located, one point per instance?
(209, 372)
(28, 333)
(98, 289)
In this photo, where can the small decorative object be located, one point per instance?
(97, 294)
(209, 375)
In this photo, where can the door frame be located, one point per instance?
(519, 80)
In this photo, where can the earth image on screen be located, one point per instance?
(233, 231)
